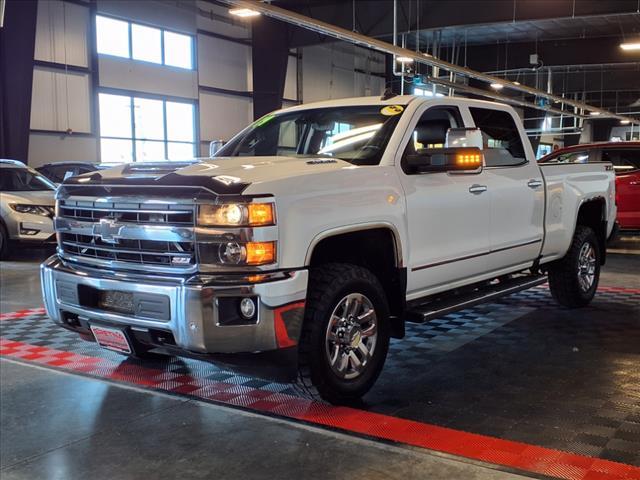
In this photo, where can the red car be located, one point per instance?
(625, 157)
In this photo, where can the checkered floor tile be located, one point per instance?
(520, 369)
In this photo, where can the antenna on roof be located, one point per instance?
(388, 93)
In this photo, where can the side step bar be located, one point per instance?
(441, 306)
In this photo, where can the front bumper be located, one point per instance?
(30, 228)
(190, 312)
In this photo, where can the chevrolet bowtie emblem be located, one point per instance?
(108, 230)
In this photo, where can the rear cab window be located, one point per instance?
(624, 160)
(502, 144)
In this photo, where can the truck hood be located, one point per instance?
(223, 175)
(39, 197)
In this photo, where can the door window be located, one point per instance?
(502, 145)
(431, 132)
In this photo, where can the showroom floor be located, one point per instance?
(516, 386)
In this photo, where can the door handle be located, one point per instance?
(534, 183)
(477, 189)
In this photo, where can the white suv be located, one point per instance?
(26, 205)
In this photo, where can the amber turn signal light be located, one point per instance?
(261, 214)
(469, 159)
(260, 253)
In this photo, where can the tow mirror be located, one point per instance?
(215, 146)
(446, 160)
(464, 137)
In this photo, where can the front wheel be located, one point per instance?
(345, 335)
(573, 280)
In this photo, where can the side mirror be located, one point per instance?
(215, 146)
(464, 137)
(446, 160)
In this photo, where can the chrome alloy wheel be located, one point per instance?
(586, 267)
(351, 336)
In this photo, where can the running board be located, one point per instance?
(439, 307)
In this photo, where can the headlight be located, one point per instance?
(44, 211)
(236, 215)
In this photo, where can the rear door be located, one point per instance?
(515, 187)
(626, 163)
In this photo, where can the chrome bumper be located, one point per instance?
(193, 315)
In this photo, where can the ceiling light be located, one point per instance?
(497, 86)
(625, 122)
(404, 59)
(516, 83)
(243, 12)
(594, 114)
(630, 46)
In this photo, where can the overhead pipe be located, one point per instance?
(498, 96)
(375, 44)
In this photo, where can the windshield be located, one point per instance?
(23, 180)
(358, 135)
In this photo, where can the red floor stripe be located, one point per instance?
(521, 456)
(21, 313)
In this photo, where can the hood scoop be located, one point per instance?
(321, 161)
(154, 169)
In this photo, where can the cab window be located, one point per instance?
(502, 145)
(431, 131)
(624, 161)
(581, 156)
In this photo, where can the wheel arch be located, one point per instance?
(375, 246)
(592, 213)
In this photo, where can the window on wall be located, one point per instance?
(140, 42)
(138, 129)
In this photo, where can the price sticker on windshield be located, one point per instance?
(391, 110)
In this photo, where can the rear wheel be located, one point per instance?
(345, 335)
(573, 281)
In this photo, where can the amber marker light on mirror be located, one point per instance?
(469, 159)
(260, 253)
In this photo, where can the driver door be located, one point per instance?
(447, 213)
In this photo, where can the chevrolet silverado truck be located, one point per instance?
(318, 231)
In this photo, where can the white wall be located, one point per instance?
(127, 74)
(622, 132)
(46, 148)
(60, 101)
(63, 100)
(61, 33)
(328, 72)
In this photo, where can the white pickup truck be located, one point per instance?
(318, 232)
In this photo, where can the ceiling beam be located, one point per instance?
(375, 44)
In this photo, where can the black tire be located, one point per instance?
(329, 285)
(4, 242)
(564, 276)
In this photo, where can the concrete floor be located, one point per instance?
(58, 425)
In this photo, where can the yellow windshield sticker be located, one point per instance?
(392, 110)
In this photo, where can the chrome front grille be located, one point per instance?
(149, 235)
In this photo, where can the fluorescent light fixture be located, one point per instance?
(625, 122)
(355, 131)
(404, 59)
(347, 141)
(243, 12)
(630, 46)
(497, 86)
(594, 114)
